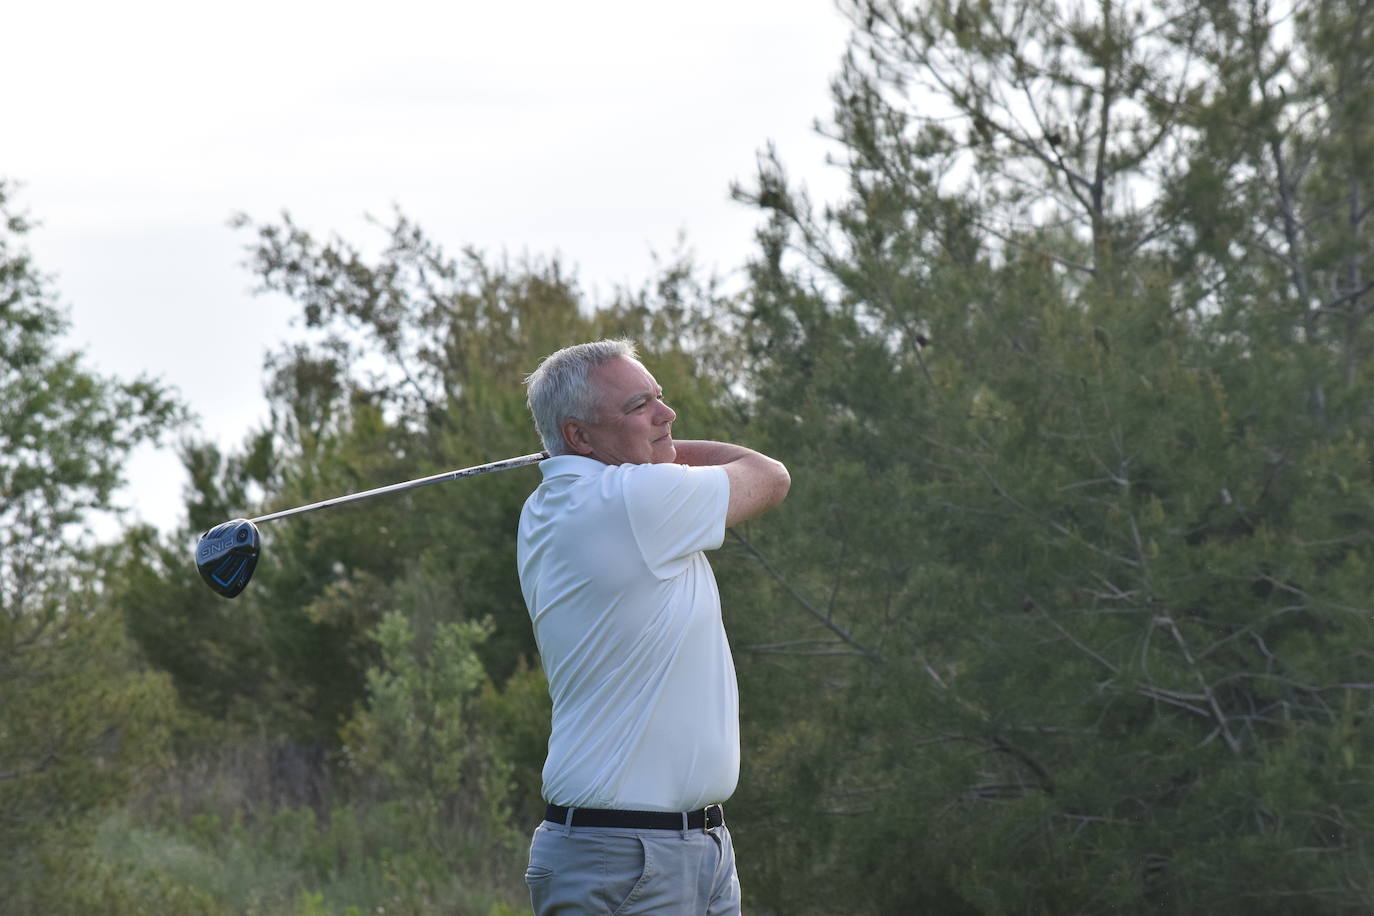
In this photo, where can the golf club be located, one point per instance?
(227, 554)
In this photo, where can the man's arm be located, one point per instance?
(757, 482)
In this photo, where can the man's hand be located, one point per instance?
(757, 482)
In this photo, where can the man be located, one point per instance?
(645, 739)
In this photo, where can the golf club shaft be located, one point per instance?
(503, 465)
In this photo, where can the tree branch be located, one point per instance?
(822, 618)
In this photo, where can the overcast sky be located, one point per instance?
(598, 131)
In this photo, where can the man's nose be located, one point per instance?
(668, 415)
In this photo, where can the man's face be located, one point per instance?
(633, 425)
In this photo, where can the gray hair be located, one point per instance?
(558, 389)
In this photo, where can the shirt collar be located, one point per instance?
(576, 465)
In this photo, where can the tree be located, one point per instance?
(81, 717)
(418, 736)
(1270, 197)
(1077, 619)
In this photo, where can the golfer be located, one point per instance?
(645, 740)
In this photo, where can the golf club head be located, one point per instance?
(227, 554)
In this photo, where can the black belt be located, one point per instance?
(702, 818)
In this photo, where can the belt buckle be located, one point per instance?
(706, 816)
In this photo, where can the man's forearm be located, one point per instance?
(757, 483)
(704, 452)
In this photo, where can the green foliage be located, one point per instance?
(81, 719)
(417, 733)
(292, 862)
(65, 431)
(416, 821)
(78, 883)
(1089, 602)
(514, 718)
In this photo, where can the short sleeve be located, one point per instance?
(676, 511)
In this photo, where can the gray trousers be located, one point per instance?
(613, 870)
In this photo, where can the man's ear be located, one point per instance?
(575, 435)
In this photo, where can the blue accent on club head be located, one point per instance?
(227, 579)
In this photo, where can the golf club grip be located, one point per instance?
(503, 465)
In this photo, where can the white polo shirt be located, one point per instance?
(627, 618)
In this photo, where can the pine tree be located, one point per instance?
(1071, 618)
